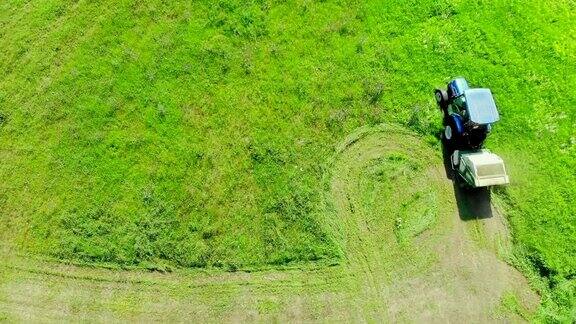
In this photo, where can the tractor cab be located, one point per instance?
(468, 114)
(476, 106)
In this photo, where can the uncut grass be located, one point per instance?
(195, 134)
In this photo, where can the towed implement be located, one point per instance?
(468, 118)
(479, 168)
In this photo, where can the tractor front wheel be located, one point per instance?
(442, 100)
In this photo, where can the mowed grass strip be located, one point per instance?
(197, 134)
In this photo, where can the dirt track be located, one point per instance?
(415, 250)
(448, 272)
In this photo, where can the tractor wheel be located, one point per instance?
(455, 159)
(450, 134)
(442, 100)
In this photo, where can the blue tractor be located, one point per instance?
(468, 114)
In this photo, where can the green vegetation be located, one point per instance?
(381, 278)
(184, 134)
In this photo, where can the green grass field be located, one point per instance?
(182, 135)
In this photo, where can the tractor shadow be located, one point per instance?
(473, 203)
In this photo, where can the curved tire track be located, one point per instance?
(444, 270)
(408, 257)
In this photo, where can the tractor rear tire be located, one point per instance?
(442, 100)
(450, 134)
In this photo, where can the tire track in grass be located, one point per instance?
(388, 204)
(394, 211)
